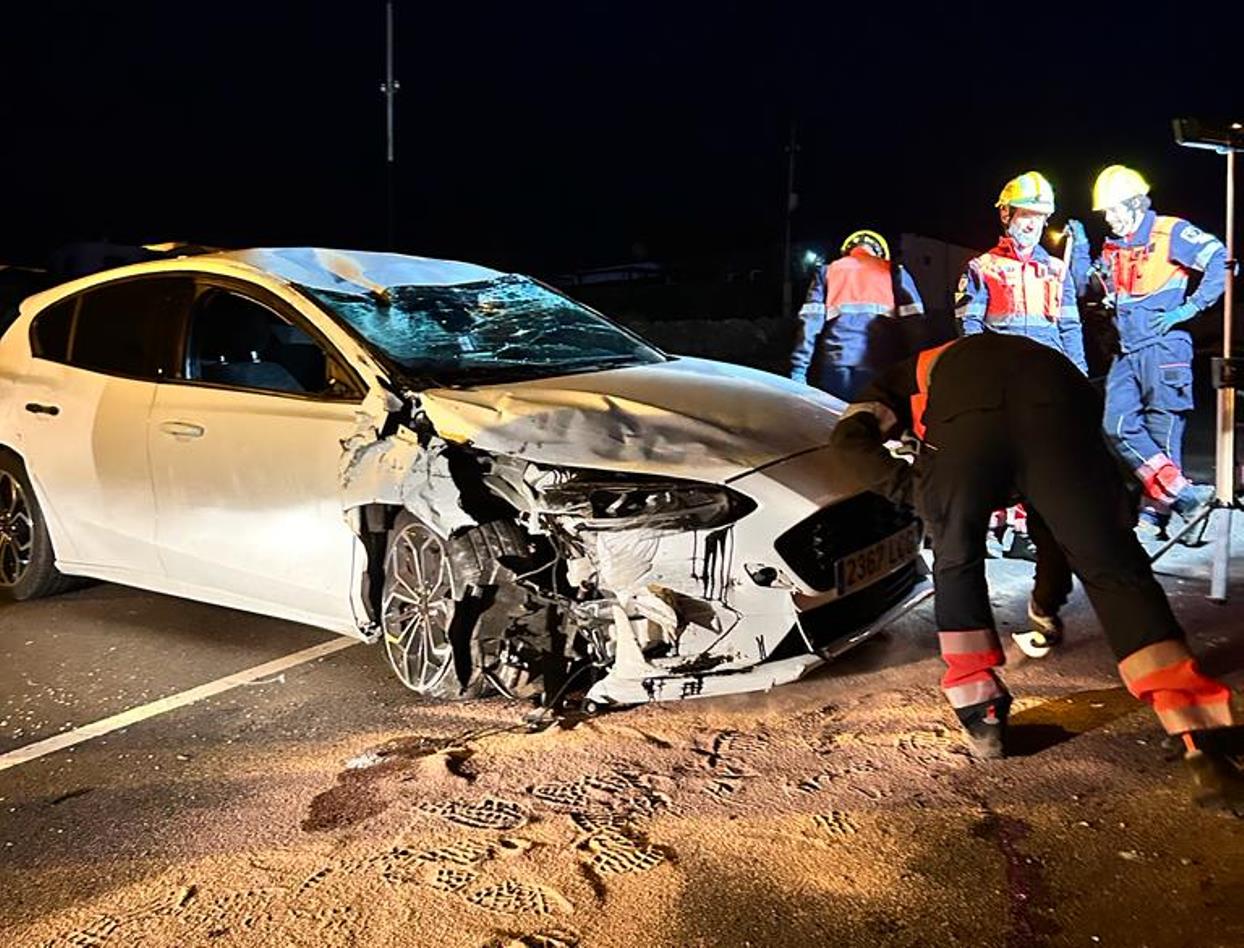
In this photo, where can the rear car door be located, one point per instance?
(246, 450)
(97, 358)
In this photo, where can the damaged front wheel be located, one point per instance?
(421, 617)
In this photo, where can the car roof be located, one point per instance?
(325, 269)
(315, 267)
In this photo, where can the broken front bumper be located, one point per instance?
(632, 680)
(778, 569)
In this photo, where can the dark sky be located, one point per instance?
(548, 136)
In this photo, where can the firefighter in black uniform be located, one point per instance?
(1001, 417)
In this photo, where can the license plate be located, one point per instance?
(865, 566)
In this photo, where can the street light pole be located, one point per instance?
(388, 89)
(1227, 369)
(791, 149)
(1225, 462)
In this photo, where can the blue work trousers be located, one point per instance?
(1148, 398)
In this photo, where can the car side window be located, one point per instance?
(241, 343)
(49, 332)
(130, 327)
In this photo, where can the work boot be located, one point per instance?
(1045, 634)
(984, 727)
(1215, 761)
(1021, 548)
(1192, 500)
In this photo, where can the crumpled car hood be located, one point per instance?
(684, 418)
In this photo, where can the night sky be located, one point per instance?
(553, 136)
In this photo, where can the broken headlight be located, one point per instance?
(604, 500)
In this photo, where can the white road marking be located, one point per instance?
(117, 721)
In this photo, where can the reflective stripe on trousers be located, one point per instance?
(971, 656)
(1165, 676)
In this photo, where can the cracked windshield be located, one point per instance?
(506, 329)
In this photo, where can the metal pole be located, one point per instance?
(790, 200)
(389, 88)
(1225, 462)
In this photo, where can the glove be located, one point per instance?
(1075, 230)
(1162, 323)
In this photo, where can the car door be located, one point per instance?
(97, 358)
(245, 451)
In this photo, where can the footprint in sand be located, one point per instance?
(556, 938)
(521, 898)
(625, 792)
(834, 824)
(616, 853)
(489, 813)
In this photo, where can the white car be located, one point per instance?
(497, 482)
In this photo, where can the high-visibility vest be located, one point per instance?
(1146, 268)
(1017, 288)
(859, 283)
(924, 369)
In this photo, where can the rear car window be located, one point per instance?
(49, 333)
(131, 328)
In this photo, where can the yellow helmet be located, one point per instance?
(867, 238)
(1030, 191)
(1115, 185)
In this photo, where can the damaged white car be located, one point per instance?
(499, 484)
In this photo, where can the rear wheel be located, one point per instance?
(27, 562)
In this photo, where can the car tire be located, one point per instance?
(27, 560)
(428, 615)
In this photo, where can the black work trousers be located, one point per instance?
(1051, 452)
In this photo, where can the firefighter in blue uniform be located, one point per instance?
(1144, 270)
(836, 342)
(1017, 288)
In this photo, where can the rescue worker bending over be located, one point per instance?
(1017, 288)
(836, 322)
(997, 414)
(1144, 269)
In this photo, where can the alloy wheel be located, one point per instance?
(418, 609)
(17, 533)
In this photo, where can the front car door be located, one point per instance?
(245, 453)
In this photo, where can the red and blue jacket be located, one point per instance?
(1147, 273)
(843, 300)
(1002, 291)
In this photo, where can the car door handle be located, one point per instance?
(37, 409)
(182, 429)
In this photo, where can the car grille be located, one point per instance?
(812, 548)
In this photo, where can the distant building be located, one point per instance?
(936, 267)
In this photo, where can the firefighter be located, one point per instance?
(837, 338)
(1017, 287)
(997, 413)
(1144, 269)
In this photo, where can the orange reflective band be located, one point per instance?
(975, 692)
(1166, 677)
(1152, 658)
(1198, 717)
